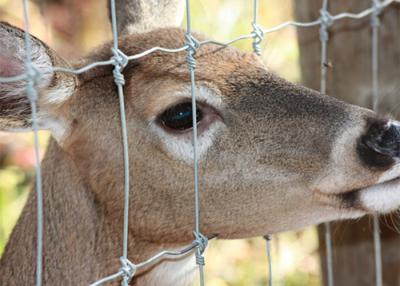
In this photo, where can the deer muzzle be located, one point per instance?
(380, 145)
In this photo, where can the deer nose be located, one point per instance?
(380, 145)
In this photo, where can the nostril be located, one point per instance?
(384, 138)
(380, 144)
(389, 142)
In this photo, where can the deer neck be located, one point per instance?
(80, 244)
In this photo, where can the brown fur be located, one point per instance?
(282, 154)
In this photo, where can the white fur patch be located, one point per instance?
(180, 145)
(61, 92)
(58, 128)
(382, 198)
(173, 272)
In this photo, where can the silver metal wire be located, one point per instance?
(329, 261)
(375, 22)
(120, 60)
(258, 33)
(152, 260)
(201, 240)
(276, 28)
(326, 20)
(268, 239)
(33, 76)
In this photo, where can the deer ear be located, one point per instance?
(53, 88)
(138, 16)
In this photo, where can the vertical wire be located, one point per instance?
(195, 158)
(119, 84)
(375, 96)
(324, 42)
(326, 21)
(257, 38)
(378, 251)
(269, 258)
(328, 244)
(32, 94)
(257, 33)
(255, 11)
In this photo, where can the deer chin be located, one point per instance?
(382, 198)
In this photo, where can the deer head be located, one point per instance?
(273, 155)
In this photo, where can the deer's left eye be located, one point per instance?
(180, 117)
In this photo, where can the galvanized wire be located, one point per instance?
(268, 239)
(150, 261)
(120, 60)
(33, 77)
(328, 247)
(193, 46)
(375, 22)
(258, 33)
(150, 51)
(326, 20)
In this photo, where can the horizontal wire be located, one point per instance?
(157, 49)
(150, 261)
(108, 278)
(281, 26)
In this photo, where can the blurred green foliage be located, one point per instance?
(13, 193)
(73, 27)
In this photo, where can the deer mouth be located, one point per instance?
(382, 198)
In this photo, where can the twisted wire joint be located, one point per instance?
(120, 62)
(201, 241)
(258, 36)
(128, 270)
(377, 9)
(326, 21)
(33, 76)
(193, 45)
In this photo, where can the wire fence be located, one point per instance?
(119, 60)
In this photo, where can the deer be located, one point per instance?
(273, 155)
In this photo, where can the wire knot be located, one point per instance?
(201, 241)
(118, 76)
(33, 77)
(326, 21)
(120, 62)
(377, 9)
(33, 74)
(128, 270)
(193, 45)
(326, 18)
(200, 259)
(258, 36)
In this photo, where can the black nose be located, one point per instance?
(380, 145)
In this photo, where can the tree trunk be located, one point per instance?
(349, 78)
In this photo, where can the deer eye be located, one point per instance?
(179, 117)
